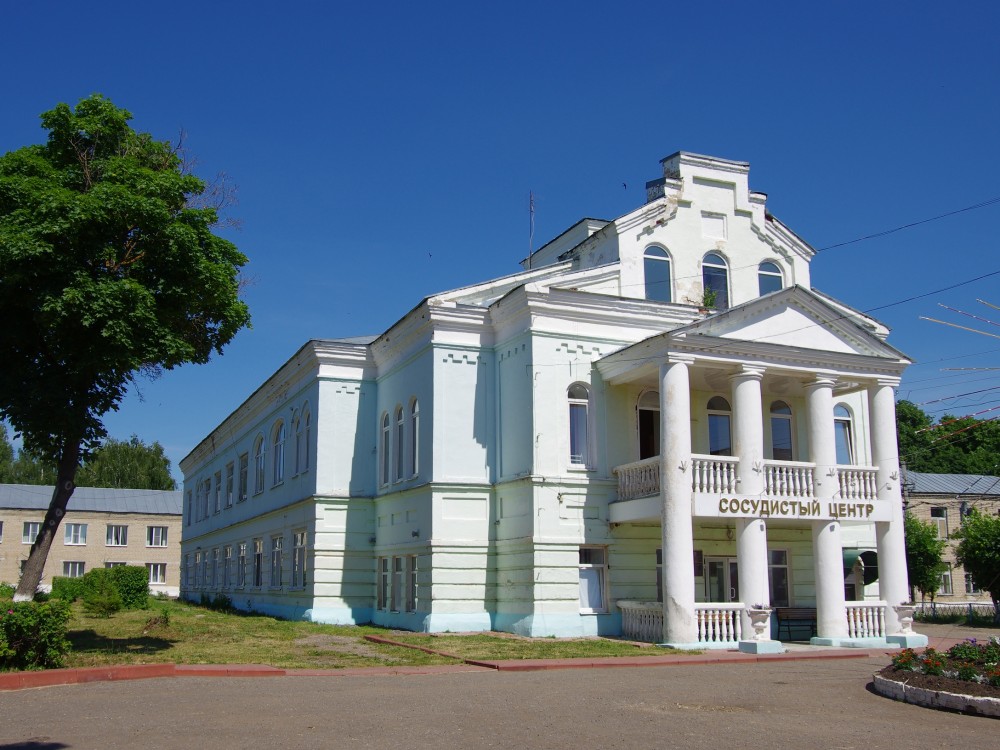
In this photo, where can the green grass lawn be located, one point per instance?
(183, 633)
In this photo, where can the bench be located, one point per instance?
(797, 617)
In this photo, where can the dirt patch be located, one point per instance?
(940, 683)
(341, 644)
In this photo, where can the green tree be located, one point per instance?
(954, 445)
(923, 556)
(127, 465)
(109, 269)
(978, 552)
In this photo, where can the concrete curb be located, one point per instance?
(966, 704)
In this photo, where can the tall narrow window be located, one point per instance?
(939, 520)
(258, 562)
(400, 444)
(307, 422)
(297, 428)
(278, 460)
(411, 584)
(230, 472)
(386, 456)
(244, 484)
(656, 270)
(579, 402)
(720, 439)
(715, 279)
(298, 558)
(649, 424)
(218, 491)
(241, 565)
(227, 566)
(769, 278)
(777, 569)
(396, 602)
(258, 465)
(276, 558)
(414, 438)
(383, 582)
(593, 579)
(781, 431)
(843, 434)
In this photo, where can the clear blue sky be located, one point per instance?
(386, 152)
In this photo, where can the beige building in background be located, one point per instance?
(102, 528)
(942, 500)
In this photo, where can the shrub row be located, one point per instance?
(104, 591)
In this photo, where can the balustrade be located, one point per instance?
(789, 479)
(642, 621)
(713, 474)
(640, 479)
(858, 483)
(866, 619)
(719, 623)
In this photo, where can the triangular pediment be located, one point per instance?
(795, 317)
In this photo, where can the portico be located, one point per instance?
(752, 434)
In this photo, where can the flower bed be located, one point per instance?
(968, 668)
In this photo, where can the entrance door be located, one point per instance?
(722, 579)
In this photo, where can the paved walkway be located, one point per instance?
(730, 702)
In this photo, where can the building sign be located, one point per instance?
(712, 506)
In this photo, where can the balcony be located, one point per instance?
(785, 482)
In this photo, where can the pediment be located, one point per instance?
(795, 318)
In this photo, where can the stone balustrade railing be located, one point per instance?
(713, 474)
(642, 621)
(866, 619)
(719, 623)
(858, 483)
(789, 479)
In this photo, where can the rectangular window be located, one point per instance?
(117, 535)
(230, 483)
(227, 565)
(241, 566)
(113, 564)
(207, 577)
(258, 563)
(397, 584)
(188, 571)
(197, 568)
(206, 493)
(593, 579)
(970, 585)
(777, 570)
(276, 543)
(383, 582)
(157, 572)
(244, 470)
(76, 533)
(156, 536)
(190, 507)
(939, 519)
(945, 587)
(218, 491)
(73, 569)
(299, 559)
(411, 584)
(578, 453)
(30, 531)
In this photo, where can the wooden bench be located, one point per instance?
(797, 617)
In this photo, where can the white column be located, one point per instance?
(828, 553)
(679, 618)
(892, 580)
(748, 446)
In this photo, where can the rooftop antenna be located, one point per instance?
(531, 225)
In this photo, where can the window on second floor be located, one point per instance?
(75, 533)
(843, 434)
(769, 278)
(939, 520)
(715, 280)
(781, 432)
(648, 416)
(656, 274)
(720, 438)
(579, 432)
(278, 454)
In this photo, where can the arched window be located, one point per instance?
(278, 465)
(720, 437)
(297, 437)
(307, 419)
(415, 438)
(769, 278)
(843, 433)
(579, 433)
(656, 272)
(383, 477)
(258, 465)
(400, 443)
(300, 424)
(715, 279)
(781, 432)
(649, 424)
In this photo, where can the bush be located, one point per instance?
(132, 582)
(67, 589)
(219, 603)
(7, 590)
(32, 635)
(100, 593)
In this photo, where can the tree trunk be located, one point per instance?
(69, 462)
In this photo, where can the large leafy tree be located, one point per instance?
(923, 556)
(978, 552)
(108, 269)
(127, 464)
(953, 445)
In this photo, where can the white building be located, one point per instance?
(555, 451)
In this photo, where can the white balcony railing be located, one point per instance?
(641, 479)
(642, 621)
(713, 474)
(789, 479)
(858, 483)
(866, 619)
(719, 623)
